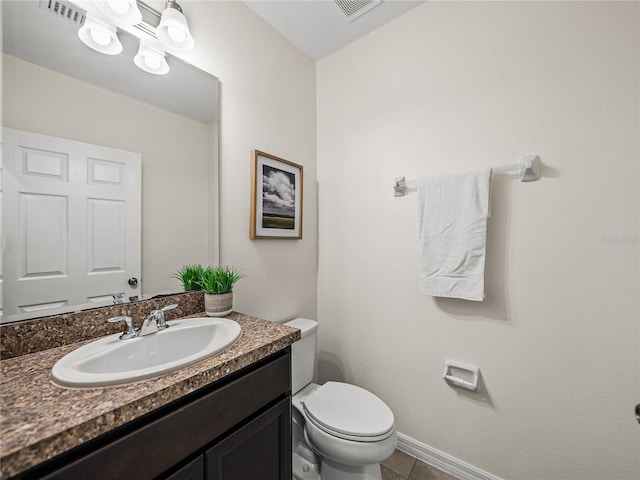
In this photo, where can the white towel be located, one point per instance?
(452, 234)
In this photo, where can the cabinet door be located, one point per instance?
(193, 470)
(259, 450)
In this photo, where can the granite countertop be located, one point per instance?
(40, 420)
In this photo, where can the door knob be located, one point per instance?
(133, 281)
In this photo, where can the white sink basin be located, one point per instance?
(111, 361)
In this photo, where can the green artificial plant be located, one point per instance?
(190, 276)
(219, 280)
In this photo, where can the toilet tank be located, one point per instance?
(303, 353)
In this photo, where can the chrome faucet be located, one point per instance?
(152, 323)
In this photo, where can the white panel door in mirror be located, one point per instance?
(63, 196)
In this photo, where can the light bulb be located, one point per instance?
(153, 60)
(100, 36)
(176, 34)
(150, 58)
(120, 11)
(120, 6)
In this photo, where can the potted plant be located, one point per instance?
(190, 276)
(217, 283)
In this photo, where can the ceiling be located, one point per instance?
(319, 27)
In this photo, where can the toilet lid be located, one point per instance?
(346, 410)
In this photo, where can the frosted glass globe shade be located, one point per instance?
(176, 34)
(120, 6)
(153, 60)
(100, 36)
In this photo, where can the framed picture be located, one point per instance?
(276, 197)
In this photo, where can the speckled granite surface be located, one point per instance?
(39, 420)
(29, 336)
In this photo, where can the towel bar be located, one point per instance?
(528, 168)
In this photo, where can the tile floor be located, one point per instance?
(402, 466)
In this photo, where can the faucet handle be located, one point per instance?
(160, 319)
(130, 331)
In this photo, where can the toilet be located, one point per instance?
(340, 431)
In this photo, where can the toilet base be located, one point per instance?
(303, 469)
(334, 471)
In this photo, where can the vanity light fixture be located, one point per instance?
(150, 58)
(100, 35)
(125, 11)
(157, 32)
(173, 30)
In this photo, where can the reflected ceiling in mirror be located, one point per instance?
(35, 33)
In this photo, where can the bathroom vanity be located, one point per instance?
(226, 417)
(238, 430)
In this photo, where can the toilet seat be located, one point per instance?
(349, 412)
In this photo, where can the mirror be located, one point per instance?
(54, 85)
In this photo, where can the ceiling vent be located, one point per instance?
(356, 8)
(64, 9)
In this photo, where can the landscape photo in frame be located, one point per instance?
(276, 197)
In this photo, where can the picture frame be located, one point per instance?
(276, 197)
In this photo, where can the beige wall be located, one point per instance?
(452, 86)
(267, 102)
(174, 157)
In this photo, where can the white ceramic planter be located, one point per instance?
(218, 305)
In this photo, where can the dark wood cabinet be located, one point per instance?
(260, 450)
(234, 429)
(193, 470)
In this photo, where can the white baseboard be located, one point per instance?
(445, 462)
